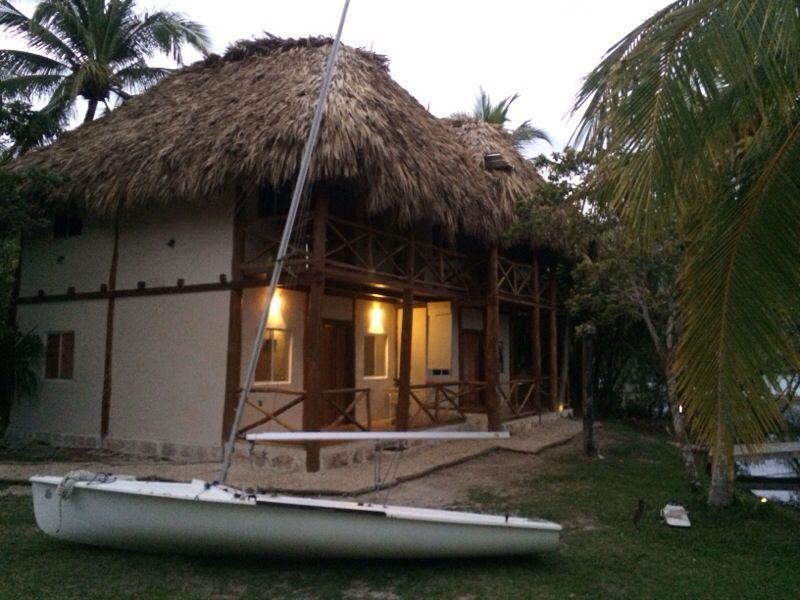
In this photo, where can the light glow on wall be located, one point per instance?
(376, 319)
(275, 318)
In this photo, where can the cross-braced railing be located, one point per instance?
(255, 402)
(514, 278)
(517, 395)
(441, 402)
(348, 415)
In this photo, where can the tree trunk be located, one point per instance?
(90, 111)
(681, 436)
(587, 360)
(720, 493)
(664, 352)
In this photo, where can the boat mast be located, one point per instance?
(277, 268)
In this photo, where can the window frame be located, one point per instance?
(385, 374)
(289, 341)
(60, 356)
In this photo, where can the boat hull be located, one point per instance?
(191, 518)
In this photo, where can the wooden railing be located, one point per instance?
(360, 248)
(262, 238)
(514, 278)
(517, 395)
(439, 400)
(349, 414)
(297, 397)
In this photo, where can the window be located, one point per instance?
(59, 355)
(273, 363)
(375, 354)
(67, 223)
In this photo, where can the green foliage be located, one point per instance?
(23, 202)
(697, 118)
(22, 128)
(557, 214)
(488, 112)
(96, 49)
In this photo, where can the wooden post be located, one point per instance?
(536, 337)
(233, 367)
(404, 376)
(552, 288)
(312, 340)
(105, 405)
(492, 326)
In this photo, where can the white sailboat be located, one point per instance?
(212, 518)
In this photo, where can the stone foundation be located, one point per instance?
(282, 458)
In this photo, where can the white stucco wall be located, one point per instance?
(202, 250)
(66, 411)
(380, 387)
(55, 264)
(169, 368)
(292, 312)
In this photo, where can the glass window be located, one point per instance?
(273, 363)
(375, 345)
(67, 223)
(59, 355)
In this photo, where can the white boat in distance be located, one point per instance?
(208, 519)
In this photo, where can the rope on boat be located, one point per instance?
(67, 485)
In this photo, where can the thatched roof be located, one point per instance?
(242, 118)
(480, 139)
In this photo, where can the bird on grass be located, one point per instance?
(638, 512)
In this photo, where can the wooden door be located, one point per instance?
(471, 365)
(338, 369)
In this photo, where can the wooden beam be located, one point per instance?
(536, 336)
(404, 376)
(233, 373)
(492, 334)
(552, 290)
(312, 340)
(105, 405)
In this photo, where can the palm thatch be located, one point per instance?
(480, 139)
(242, 118)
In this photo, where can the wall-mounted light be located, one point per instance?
(376, 319)
(275, 318)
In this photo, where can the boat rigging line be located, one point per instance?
(277, 268)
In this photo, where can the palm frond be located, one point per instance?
(526, 133)
(139, 76)
(38, 37)
(19, 62)
(29, 86)
(693, 117)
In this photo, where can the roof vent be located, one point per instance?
(493, 161)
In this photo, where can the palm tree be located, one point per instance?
(696, 113)
(90, 48)
(488, 112)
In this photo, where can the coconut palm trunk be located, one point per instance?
(90, 111)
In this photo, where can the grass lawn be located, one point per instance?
(748, 551)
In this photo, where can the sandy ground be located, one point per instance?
(440, 489)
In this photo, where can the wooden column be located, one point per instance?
(491, 327)
(404, 376)
(536, 336)
(552, 289)
(233, 367)
(312, 340)
(105, 405)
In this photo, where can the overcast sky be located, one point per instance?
(443, 50)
